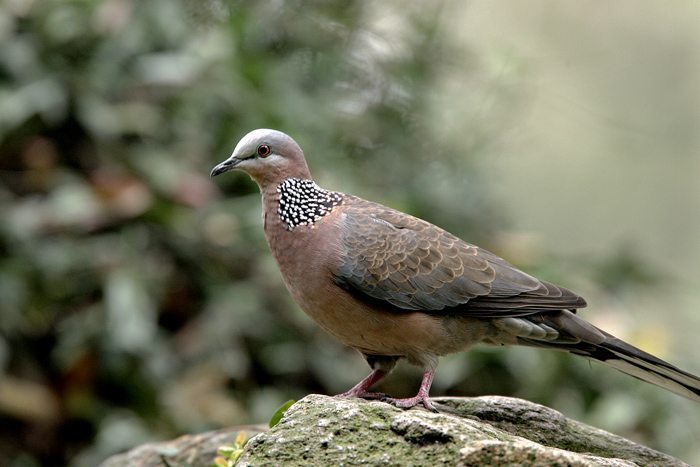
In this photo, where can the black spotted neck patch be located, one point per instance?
(302, 202)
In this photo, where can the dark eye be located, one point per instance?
(264, 150)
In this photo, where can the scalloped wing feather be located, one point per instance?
(413, 265)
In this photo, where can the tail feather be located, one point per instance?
(633, 361)
(582, 338)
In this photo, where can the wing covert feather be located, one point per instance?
(413, 265)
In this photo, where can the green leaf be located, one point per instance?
(225, 451)
(277, 416)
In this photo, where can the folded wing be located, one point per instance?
(413, 265)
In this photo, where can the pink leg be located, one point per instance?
(421, 397)
(360, 389)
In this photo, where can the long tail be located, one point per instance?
(582, 338)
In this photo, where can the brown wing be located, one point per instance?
(414, 265)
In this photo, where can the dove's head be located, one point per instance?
(268, 156)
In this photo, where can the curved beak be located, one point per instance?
(225, 166)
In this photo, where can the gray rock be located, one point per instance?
(490, 430)
(198, 450)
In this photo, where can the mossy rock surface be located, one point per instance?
(321, 430)
(490, 430)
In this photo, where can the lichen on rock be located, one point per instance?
(490, 430)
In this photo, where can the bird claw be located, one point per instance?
(363, 394)
(411, 402)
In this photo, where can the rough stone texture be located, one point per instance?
(197, 450)
(320, 431)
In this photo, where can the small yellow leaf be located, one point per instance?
(240, 439)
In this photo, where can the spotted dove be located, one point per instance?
(394, 286)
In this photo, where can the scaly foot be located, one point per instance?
(360, 389)
(362, 394)
(411, 402)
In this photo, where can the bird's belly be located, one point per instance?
(419, 337)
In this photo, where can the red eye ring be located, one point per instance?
(264, 150)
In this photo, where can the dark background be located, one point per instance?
(138, 300)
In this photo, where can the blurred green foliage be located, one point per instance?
(136, 301)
